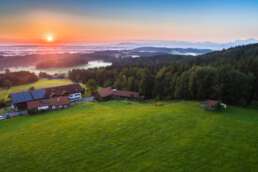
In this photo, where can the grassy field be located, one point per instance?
(126, 136)
(39, 84)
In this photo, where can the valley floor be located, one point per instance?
(129, 136)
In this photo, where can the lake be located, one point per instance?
(90, 65)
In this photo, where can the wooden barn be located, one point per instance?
(48, 104)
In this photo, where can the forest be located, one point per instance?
(10, 79)
(228, 75)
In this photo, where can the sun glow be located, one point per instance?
(49, 38)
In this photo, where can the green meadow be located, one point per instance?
(43, 83)
(129, 136)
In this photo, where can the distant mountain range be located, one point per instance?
(168, 47)
(173, 51)
(187, 44)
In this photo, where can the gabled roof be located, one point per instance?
(123, 93)
(105, 92)
(36, 104)
(212, 103)
(64, 100)
(38, 94)
(48, 102)
(63, 90)
(26, 96)
(21, 97)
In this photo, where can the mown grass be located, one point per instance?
(128, 136)
(39, 84)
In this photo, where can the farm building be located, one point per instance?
(19, 100)
(109, 93)
(29, 100)
(48, 104)
(213, 105)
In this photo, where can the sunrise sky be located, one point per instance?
(122, 20)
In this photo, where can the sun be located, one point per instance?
(49, 38)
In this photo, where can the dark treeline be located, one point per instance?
(9, 79)
(230, 75)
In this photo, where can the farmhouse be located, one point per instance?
(109, 93)
(48, 98)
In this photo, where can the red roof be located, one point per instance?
(59, 101)
(106, 92)
(33, 105)
(129, 94)
(212, 103)
(48, 102)
(63, 90)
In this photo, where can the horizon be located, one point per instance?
(128, 42)
(62, 22)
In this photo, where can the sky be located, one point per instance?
(127, 20)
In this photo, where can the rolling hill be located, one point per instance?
(129, 136)
(247, 51)
(172, 51)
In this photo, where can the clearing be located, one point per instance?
(129, 136)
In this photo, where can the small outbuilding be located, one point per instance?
(213, 105)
